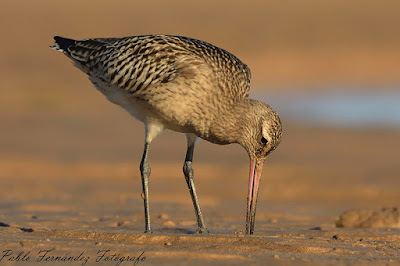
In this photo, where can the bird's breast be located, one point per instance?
(182, 107)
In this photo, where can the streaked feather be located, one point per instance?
(139, 62)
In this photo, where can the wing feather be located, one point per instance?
(137, 63)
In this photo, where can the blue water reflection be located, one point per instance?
(337, 108)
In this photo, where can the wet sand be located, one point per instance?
(71, 184)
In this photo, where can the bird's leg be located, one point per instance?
(145, 172)
(188, 171)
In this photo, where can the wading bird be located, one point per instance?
(185, 85)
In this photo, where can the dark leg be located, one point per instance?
(188, 171)
(145, 172)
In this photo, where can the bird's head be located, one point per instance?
(262, 133)
(261, 130)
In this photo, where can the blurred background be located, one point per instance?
(330, 68)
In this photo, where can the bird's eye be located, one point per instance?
(264, 140)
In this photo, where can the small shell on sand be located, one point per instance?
(386, 218)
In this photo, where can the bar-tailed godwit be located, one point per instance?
(185, 85)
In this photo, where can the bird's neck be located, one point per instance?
(232, 123)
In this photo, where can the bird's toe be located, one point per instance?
(202, 230)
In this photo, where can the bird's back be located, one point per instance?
(138, 62)
(184, 82)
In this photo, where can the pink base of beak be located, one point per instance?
(256, 166)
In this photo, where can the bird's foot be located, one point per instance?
(148, 231)
(202, 230)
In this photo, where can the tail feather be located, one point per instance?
(62, 43)
(79, 50)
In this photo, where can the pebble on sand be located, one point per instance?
(386, 218)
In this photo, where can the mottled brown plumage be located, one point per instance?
(185, 85)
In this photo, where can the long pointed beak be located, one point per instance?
(256, 166)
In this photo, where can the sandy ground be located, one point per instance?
(71, 184)
(69, 160)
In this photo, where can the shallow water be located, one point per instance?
(337, 108)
